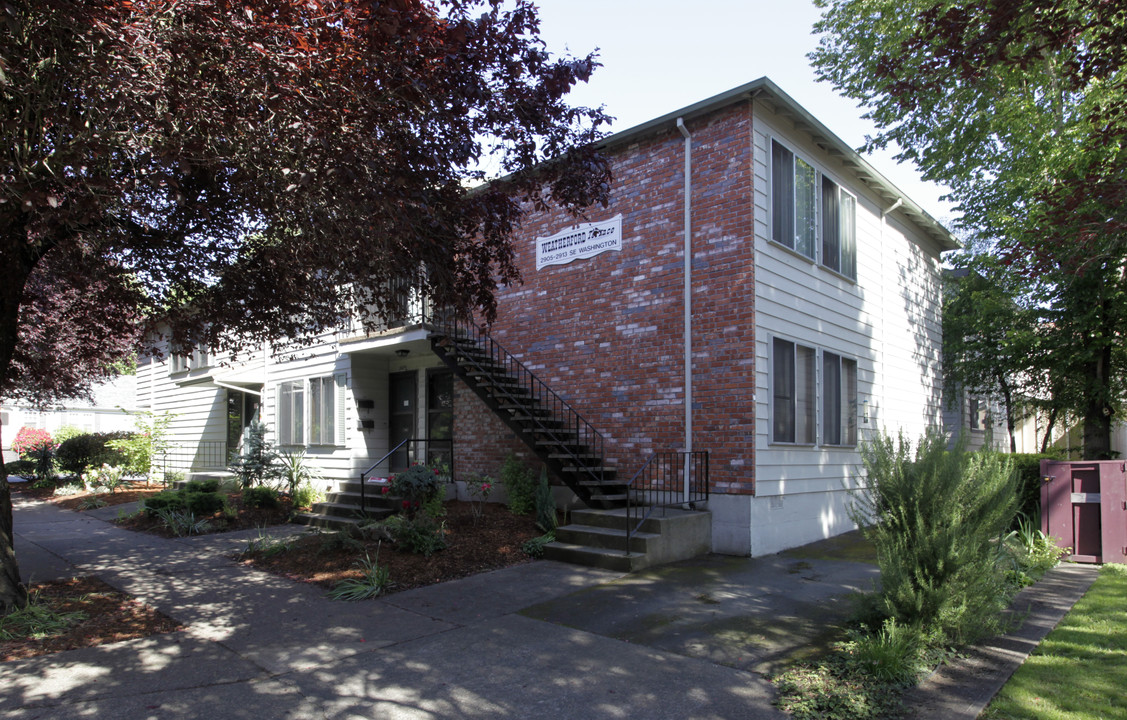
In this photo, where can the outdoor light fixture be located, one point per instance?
(402, 352)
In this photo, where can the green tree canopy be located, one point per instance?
(1020, 107)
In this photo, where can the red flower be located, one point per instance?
(385, 490)
(406, 504)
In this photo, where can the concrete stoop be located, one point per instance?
(342, 508)
(597, 538)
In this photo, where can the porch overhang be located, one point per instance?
(415, 340)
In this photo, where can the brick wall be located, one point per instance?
(606, 333)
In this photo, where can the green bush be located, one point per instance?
(416, 486)
(90, 450)
(1027, 467)
(203, 503)
(534, 548)
(421, 535)
(546, 518)
(166, 500)
(261, 496)
(520, 486)
(938, 519)
(196, 502)
(22, 468)
(205, 485)
(305, 495)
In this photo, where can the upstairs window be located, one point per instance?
(839, 400)
(793, 201)
(807, 206)
(197, 360)
(839, 229)
(793, 387)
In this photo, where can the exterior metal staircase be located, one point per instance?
(571, 448)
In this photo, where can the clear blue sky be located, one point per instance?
(659, 56)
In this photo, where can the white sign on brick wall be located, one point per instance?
(583, 241)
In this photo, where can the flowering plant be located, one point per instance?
(479, 489)
(416, 486)
(28, 440)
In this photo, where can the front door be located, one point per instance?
(440, 419)
(242, 410)
(402, 418)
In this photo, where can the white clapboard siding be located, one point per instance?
(888, 321)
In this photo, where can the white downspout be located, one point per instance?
(883, 320)
(688, 303)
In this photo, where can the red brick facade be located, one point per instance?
(606, 333)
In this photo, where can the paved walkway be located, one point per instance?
(538, 640)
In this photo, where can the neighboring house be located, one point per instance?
(110, 409)
(813, 319)
(977, 419)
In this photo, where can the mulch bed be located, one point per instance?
(492, 543)
(110, 616)
(245, 518)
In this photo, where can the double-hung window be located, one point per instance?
(312, 412)
(839, 400)
(291, 413)
(793, 383)
(196, 360)
(811, 214)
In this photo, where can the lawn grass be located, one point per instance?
(1079, 671)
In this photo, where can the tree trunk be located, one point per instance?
(1097, 411)
(1007, 395)
(1048, 440)
(13, 594)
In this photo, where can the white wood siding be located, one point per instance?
(888, 321)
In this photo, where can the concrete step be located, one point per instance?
(597, 538)
(605, 538)
(594, 557)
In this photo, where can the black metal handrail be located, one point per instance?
(542, 396)
(448, 446)
(671, 478)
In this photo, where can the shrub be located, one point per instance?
(479, 489)
(108, 477)
(203, 503)
(181, 522)
(21, 468)
(1027, 467)
(138, 448)
(520, 487)
(85, 450)
(194, 501)
(305, 495)
(257, 464)
(416, 486)
(421, 535)
(206, 485)
(546, 518)
(374, 581)
(29, 440)
(261, 497)
(534, 548)
(937, 521)
(296, 472)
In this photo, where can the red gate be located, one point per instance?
(1084, 505)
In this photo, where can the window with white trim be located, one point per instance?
(197, 360)
(839, 400)
(291, 413)
(322, 411)
(807, 206)
(792, 388)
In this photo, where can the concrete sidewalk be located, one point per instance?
(544, 639)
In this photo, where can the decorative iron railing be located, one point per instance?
(438, 454)
(672, 478)
(553, 418)
(208, 455)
